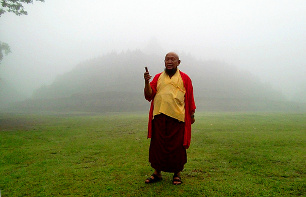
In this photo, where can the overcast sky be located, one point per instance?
(264, 37)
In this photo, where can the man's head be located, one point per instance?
(172, 61)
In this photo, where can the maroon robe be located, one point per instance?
(169, 137)
(167, 152)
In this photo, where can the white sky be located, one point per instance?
(264, 37)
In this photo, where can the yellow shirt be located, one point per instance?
(170, 96)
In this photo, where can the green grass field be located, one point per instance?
(231, 154)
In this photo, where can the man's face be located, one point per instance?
(171, 61)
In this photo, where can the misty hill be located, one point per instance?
(114, 82)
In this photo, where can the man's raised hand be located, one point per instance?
(147, 75)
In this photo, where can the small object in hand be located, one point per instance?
(146, 69)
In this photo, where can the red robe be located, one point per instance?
(189, 106)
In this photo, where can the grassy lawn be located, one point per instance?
(231, 154)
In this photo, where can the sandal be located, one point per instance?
(155, 179)
(176, 180)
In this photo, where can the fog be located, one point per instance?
(265, 38)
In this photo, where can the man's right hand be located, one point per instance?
(147, 77)
(148, 89)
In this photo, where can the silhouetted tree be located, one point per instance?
(4, 47)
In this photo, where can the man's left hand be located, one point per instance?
(192, 119)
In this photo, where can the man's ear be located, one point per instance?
(179, 61)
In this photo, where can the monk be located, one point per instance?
(170, 118)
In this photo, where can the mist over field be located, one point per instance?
(238, 53)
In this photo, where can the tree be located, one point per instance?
(4, 47)
(15, 6)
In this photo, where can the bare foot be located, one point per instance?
(156, 176)
(177, 179)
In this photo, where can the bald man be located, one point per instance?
(170, 118)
